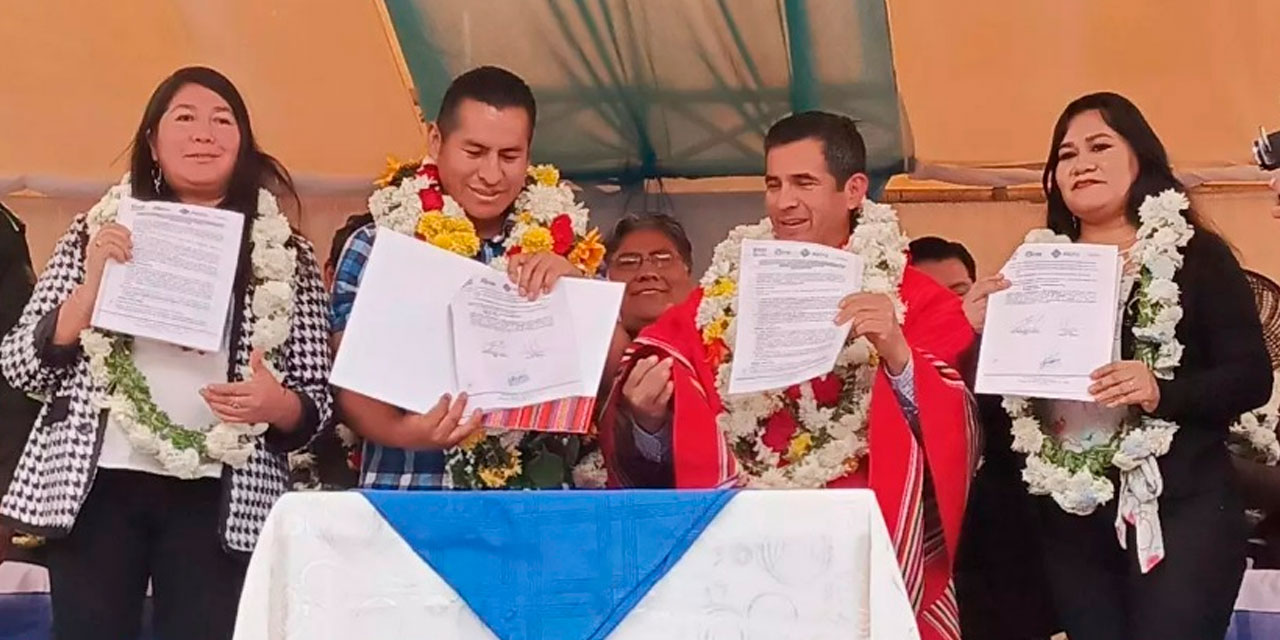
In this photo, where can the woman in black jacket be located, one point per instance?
(1170, 565)
(17, 411)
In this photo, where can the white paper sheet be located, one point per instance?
(788, 297)
(177, 288)
(1055, 325)
(512, 352)
(399, 343)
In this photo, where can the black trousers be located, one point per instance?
(1100, 594)
(136, 527)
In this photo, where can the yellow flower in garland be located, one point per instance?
(537, 240)
(715, 329)
(721, 288)
(396, 169)
(456, 235)
(588, 253)
(525, 217)
(472, 440)
(546, 175)
(497, 477)
(800, 445)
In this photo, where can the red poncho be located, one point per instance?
(925, 528)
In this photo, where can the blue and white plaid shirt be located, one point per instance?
(383, 467)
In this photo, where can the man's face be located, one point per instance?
(803, 199)
(483, 160)
(950, 273)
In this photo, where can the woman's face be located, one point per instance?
(656, 277)
(1096, 169)
(196, 144)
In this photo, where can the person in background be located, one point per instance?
(142, 492)
(947, 262)
(652, 255)
(17, 410)
(1000, 581)
(331, 461)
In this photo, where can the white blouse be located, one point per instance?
(176, 376)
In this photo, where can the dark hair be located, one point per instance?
(935, 249)
(660, 222)
(490, 85)
(842, 145)
(1154, 173)
(340, 237)
(254, 168)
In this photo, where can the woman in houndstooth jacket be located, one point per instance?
(121, 506)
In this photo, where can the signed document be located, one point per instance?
(788, 296)
(512, 352)
(400, 345)
(1055, 325)
(177, 288)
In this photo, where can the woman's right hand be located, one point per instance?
(111, 242)
(975, 301)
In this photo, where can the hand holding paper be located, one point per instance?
(874, 317)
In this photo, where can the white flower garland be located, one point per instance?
(1253, 435)
(831, 440)
(271, 307)
(1077, 481)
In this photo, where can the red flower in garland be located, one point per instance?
(562, 234)
(826, 390)
(430, 171)
(779, 429)
(514, 251)
(717, 351)
(431, 199)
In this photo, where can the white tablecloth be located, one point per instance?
(800, 564)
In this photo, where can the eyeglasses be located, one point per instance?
(631, 262)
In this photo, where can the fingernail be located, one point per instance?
(445, 397)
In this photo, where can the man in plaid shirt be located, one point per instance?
(480, 142)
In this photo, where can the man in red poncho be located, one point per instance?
(894, 416)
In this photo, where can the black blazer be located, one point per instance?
(17, 411)
(1225, 370)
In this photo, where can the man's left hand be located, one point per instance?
(536, 273)
(1127, 382)
(261, 398)
(873, 316)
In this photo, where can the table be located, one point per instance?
(770, 564)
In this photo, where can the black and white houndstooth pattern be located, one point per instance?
(58, 464)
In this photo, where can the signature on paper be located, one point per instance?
(1068, 329)
(1029, 326)
(495, 349)
(1050, 361)
(533, 350)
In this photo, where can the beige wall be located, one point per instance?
(991, 229)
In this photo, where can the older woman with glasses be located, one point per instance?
(652, 255)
